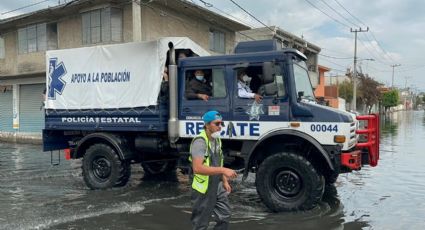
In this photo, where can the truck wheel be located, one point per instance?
(331, 178)
(158, 167)
(288, 182)
(102, 168)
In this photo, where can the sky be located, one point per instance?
(396, 33)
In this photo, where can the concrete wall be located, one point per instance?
(127, 21)
(8, 64)
(174, 24)
(15, 63)
(69, 32)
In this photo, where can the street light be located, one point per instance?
(365, 59)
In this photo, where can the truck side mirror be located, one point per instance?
(300, 95)
(268, 72)
(268, 89)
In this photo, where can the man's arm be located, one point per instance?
(191, 94)
(243, 93)
(199, 168)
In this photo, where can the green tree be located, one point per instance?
(345, 90)
(368, 93)
(390, 99)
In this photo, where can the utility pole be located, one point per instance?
(405, 81)
(392, 82)
(354, 101)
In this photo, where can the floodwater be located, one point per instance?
(36, 195)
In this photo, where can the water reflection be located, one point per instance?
(329, 214)
(36, 195)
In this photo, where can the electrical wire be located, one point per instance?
(370, 31)
(23, 7)
(326, 59)
(209, 5)
(323, 12)
(328, 56)
(350, 13)
(240, 7)
(342, 16)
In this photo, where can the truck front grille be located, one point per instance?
(353, 137)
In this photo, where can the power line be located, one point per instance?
(335, 63)
(240, 7)
(374, 38)
(336, 20)
(23, 7)
(328, 56)
(253, 39)
(350, 13)
(207, 4)
(342, 16)
(377, 58)
(377, 42)
(227, 14)
(234, 18)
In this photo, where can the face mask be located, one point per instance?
(246, 78)
(200, 77)
(215, 134)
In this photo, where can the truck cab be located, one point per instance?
(286, 126)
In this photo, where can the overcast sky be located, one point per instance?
(396, 31)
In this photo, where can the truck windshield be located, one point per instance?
(302, 82)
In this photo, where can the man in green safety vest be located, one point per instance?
(210, 185)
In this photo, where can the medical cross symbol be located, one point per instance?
(56, 72)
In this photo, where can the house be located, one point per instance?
(25, 38)
(327, 91)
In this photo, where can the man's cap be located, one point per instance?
(211, 116)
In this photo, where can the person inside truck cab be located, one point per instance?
(244, 91)
(198, 87)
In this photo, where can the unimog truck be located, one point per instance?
(111, 106)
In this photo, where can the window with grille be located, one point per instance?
(102, 26)
(2, 48)
(37, 37)
(217, 41)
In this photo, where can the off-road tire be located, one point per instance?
(102, 168)
(288, 182)
(159, 167)
(331, 178)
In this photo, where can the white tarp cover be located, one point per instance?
(110, 76)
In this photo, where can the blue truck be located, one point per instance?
(110, 106)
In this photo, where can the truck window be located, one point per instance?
(252, 79)
(218, 83)
(209, 82)
(302, 82)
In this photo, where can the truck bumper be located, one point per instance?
(352, 160)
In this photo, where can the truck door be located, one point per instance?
(193, 107)
(267, 80)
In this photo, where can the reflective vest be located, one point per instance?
(200, 182)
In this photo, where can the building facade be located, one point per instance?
(24, 40)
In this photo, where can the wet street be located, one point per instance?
(36, 195)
